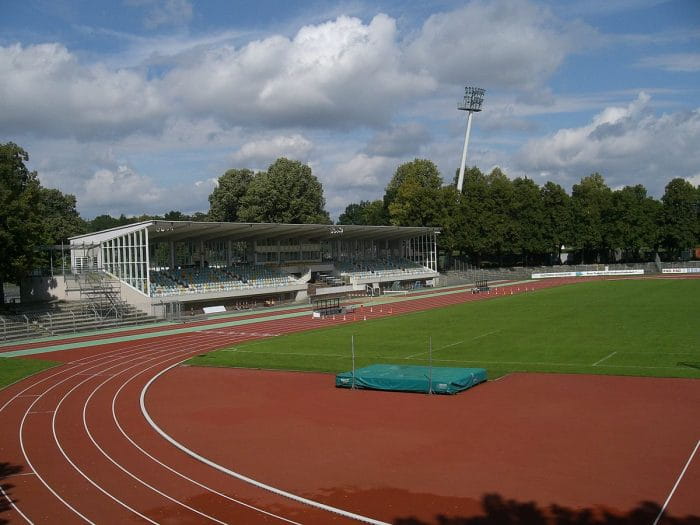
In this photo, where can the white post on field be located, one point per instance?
(352, 349)
(430, 365)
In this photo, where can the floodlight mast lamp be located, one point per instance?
(473, 99)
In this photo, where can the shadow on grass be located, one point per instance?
(500, 511)
(6, 469)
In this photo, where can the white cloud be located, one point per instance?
(625, 144)
(404, 139)
(263, 152)
(336, 74)
(362, 171)
(45, 91)
(678, 62)
(121, 187)
(504, 43)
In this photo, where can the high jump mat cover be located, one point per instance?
(403, 378)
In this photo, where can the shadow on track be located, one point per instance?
(6, 470)
(500, 511)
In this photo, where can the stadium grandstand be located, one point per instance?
(163, 266)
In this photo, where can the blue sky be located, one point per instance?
(137, 106)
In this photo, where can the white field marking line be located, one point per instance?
(21, 432)
(12, 504)
(539, 363)
(24, 450)
(106, 356)
(687, 464)
(502, 377)
(605, 358)
(287, 353)
(135, 445)
(87, 430)
(70, 461)
(235, 334)
(237, 475)
(77, 363)
(455, 344)
(62, 369)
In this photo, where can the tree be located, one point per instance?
(680, 216)
(529, 219)
(175, 215)
(473, 207)
(556, 229)
(21, 228)
(422, 172)
(411, 197)
(633, 222)
(225, 200)
(591, 200)
(498, 220)
(287, 193)
(61, 219)
(369, 213)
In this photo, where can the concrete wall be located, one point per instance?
(135, 298)
(38, 289)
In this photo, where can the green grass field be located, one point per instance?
(14, 369)
(625, 327)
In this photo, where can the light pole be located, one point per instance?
(473, 98)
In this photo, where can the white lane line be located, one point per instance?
(75, 364)
(87, 430)
(238, 475)
(12, 504)
(687, 464)
(24, 450)
(604, 359)
(72, 463)
(213, 491)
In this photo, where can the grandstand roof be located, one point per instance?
(159, 230)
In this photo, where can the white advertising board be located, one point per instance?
(680, 270)
(590, 273)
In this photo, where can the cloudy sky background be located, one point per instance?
(137, 106)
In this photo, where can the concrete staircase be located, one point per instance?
(67, 318)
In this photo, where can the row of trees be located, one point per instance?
(494, 219)
(517, 221)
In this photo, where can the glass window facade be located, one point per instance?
(126, 257)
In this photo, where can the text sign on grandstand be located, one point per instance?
(681, 270)
(590, 273)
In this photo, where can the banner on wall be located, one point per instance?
(590, 273)
(680, 270)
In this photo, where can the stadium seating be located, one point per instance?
(379, 268)
(210, 279)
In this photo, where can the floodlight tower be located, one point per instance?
(473, 98)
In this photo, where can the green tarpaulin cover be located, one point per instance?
(412, 378)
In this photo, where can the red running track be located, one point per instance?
(76, 447)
